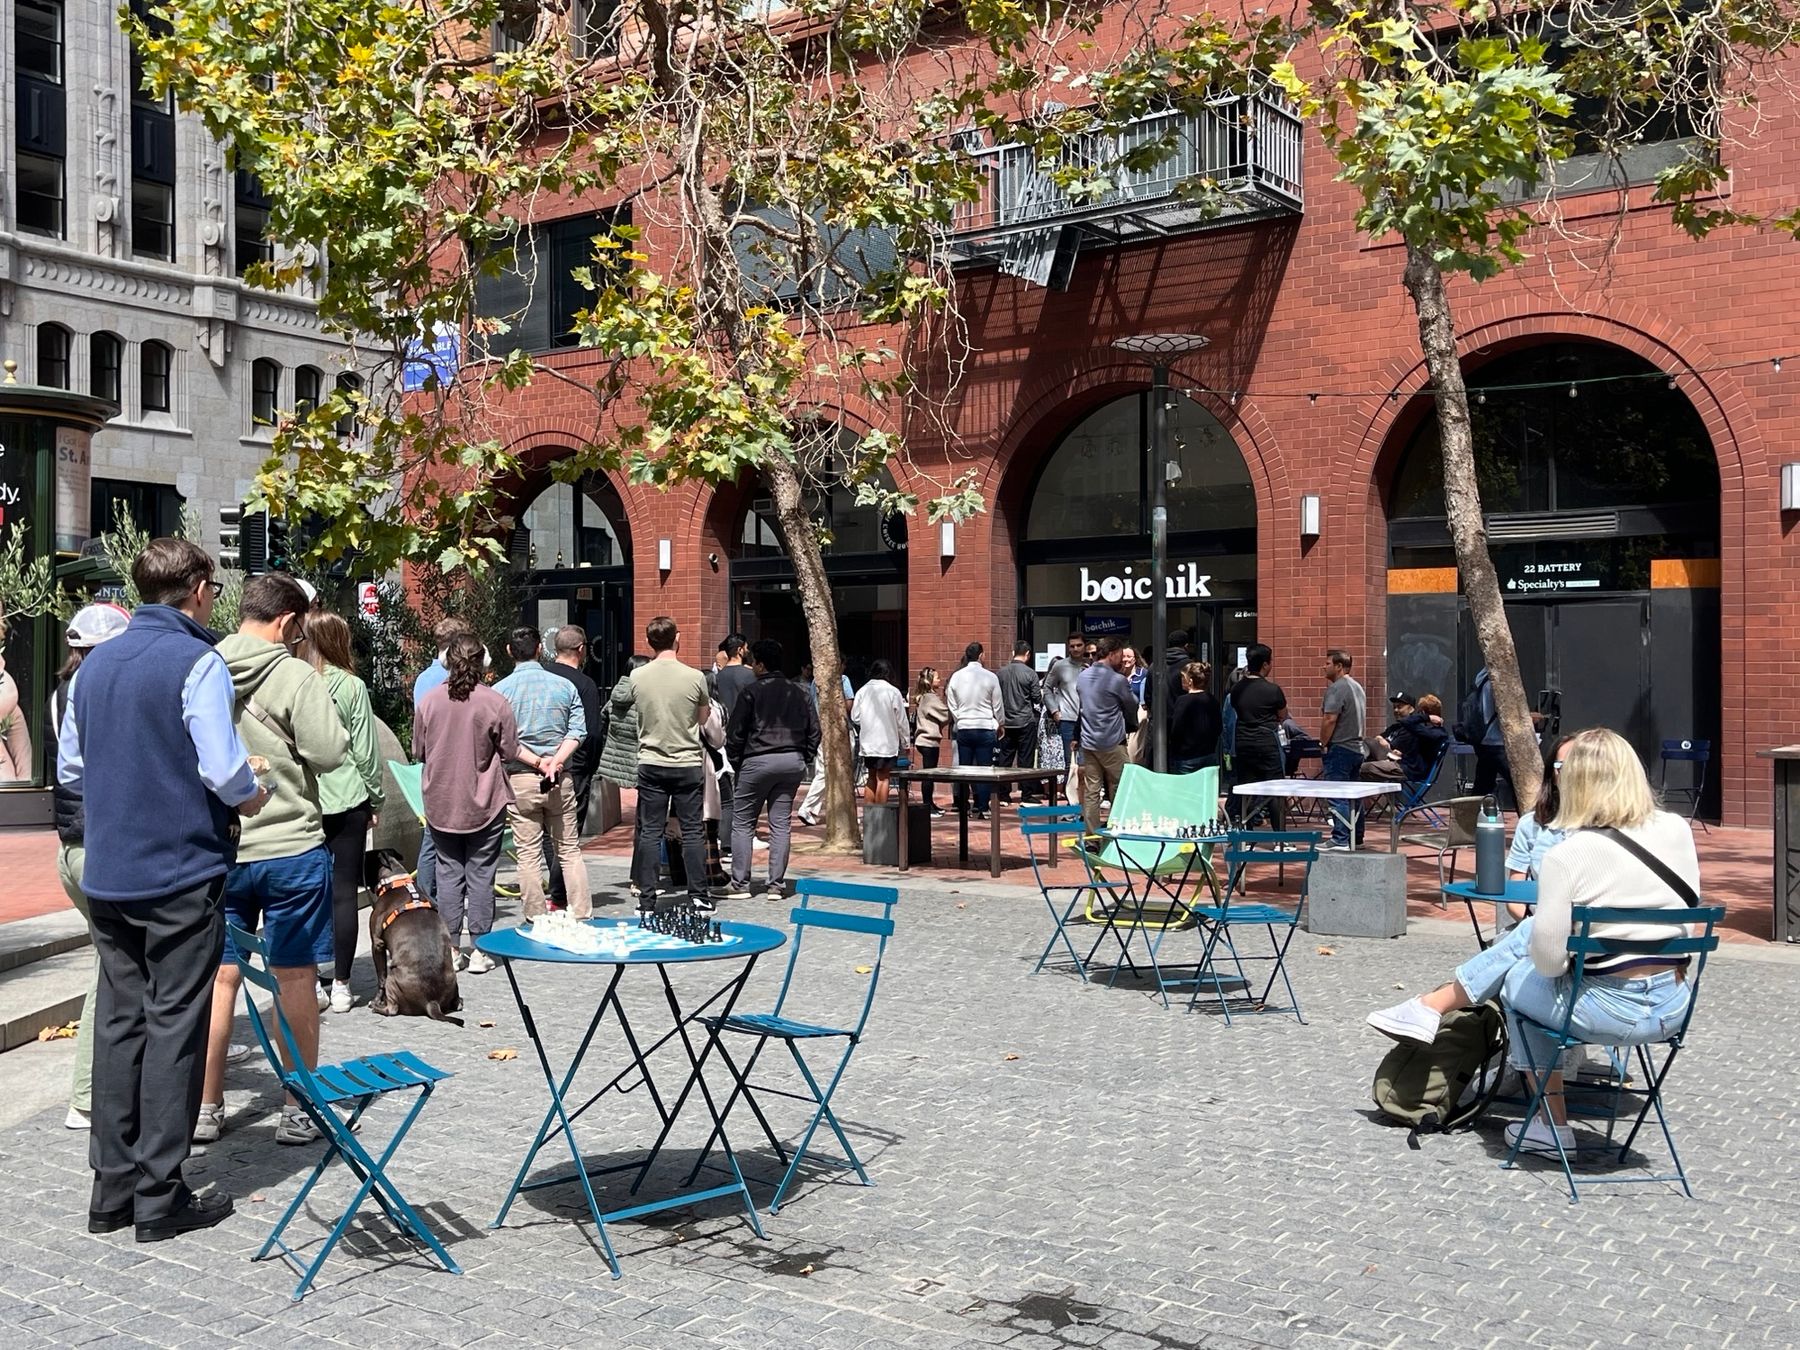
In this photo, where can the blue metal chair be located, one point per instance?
(1583, 944)
(1245, 849)
(1697, 753)
(356, 1083)
(1049, 824)
(1413, 794)
(777, 1025)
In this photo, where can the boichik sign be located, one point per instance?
(1185, 582)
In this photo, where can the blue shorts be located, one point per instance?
(290, 900)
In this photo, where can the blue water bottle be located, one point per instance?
(1490, 849)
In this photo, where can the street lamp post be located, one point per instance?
(1159, 349)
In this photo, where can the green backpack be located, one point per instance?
(1448, 1084)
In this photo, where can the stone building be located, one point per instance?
(124, 237)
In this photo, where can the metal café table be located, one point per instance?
(1148, 862)
(973, 775)
(743, 942)
(1517, 892)
(1356, 793)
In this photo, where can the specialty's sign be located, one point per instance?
(1184, 582)
(1535, 578)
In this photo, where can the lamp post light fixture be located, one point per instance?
(1159, 349)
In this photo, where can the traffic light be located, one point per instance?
(231, 521)
(243, 540)
(279, 545)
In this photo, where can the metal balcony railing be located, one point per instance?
(1249, 147)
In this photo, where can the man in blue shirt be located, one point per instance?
(151, 745)
(446, 631)
(1108, 713)
(552, 725)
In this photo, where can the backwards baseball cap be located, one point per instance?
(1401, 696)
(94, 624)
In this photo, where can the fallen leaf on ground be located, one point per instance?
(485, 1022)
(1328, 951)
(504, 1052)
(1370, 1270)
(63, 1033)
(258, 1199)
(1009, 1057)
(1399, 986)
(806, 1270)
(864, 970)
(962, 904)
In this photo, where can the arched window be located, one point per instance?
(309, 386)
(265, 391)
(53, 344)
(106, 364)
(156, 362)
(351, 384)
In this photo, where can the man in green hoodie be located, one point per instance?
(282, 879)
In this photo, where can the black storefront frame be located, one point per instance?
(844, 569)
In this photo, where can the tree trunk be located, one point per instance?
(1468, 531)
(843, 832)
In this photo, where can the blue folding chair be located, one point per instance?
(1245, 849)
(1697, 753)
(1413, 793)
(1049, 823)
(777, 1025)
(1583, 945)
(357, 1082)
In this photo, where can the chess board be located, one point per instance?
(641, 940)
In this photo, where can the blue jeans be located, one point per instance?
(1610, 1010)
(975, 748)
(1342, 764)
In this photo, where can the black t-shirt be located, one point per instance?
(1259, 704)
(587, 758)
(732, 681)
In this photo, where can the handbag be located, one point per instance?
(1050, 744)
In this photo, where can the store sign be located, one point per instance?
(1105, 625)
(74, 481)
(1185, 582)
(1536, 578)
(432, 361)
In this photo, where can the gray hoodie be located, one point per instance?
(299, 733)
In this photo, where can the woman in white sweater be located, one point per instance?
(1624, 1000)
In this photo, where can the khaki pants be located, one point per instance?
(535, 814)
(1100, 771)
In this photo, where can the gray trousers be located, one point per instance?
(763, 780)
(466, 864)
(157, 963)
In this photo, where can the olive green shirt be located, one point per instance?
(358, 778)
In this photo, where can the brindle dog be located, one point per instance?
(415, 963)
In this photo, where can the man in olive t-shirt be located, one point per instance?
(672, 704)
(1344, 709)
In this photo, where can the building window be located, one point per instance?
(38, 27)
(265, 392)
(309, 383)
(152, 220)
(252, 223)
(351, 385)
(106, 362)
(154, 508)
(157, 362)
(53, 356)
(41, 194)
(150, 15)
(516, 26)
(535, 293)
(596, 28)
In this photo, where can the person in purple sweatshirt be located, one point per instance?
(151, 721)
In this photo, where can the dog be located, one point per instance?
(415, 962)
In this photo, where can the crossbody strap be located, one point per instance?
(261, 714)
(1669, 876)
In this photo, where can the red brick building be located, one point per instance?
(1631, 438)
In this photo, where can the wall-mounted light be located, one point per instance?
(1790, 487)
(947, 539)
(1309, 516)
(665, 554)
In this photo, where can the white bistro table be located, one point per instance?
(1357, 794)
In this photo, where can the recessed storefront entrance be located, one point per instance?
(1084, 558)
(575, 544)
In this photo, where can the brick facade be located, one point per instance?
(1307, 305)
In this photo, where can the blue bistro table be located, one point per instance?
(1516, 893)
(743, 942)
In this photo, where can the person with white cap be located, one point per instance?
(92, 625)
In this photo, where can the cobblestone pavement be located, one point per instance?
(1056, 1165)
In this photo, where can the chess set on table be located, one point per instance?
(1166, 827)
(665, 930)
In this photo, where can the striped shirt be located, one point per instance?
(546, 707)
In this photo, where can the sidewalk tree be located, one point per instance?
(1450, 120)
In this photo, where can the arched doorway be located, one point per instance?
(865, 558)
(572, 553)
(1084, 552)
(1601, 492)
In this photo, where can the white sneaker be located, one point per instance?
(1538, 1136)
(1408, 1021)
(480, 963)
(324, 1000)
(238, 1052)
(211, 1123)
(77, 1119)
(340, 996)
(462, 960)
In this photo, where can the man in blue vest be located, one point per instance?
(150, 744)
